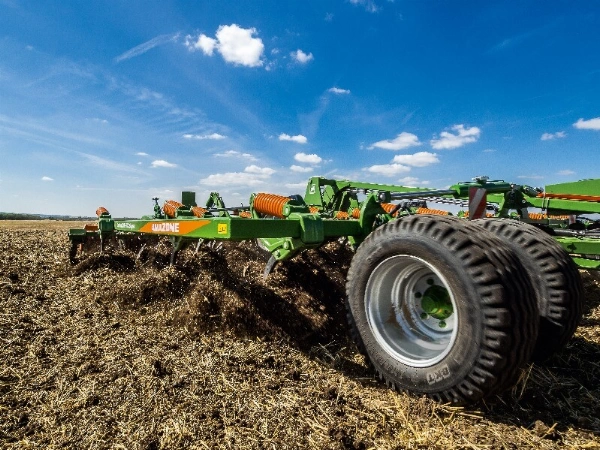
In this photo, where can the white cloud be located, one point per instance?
(232, 179)
(463, 136)
(236, 45)
(419, 159)
(298, 138)
(308, 159)
(213, 136)
(235, 154)
(301, 57)
(266, 171)
(108, 164)
(591, 124)
(566, 172)
(300, 169)
(162, 163)
(369, 5)
(550, 136)
(296, 186)
(336, 90)
(388, 170)
(251, 176)
(206, 44)
(412, 182)
(141, 154)
(402, 141)
(489, 150)
(47, 179)
(530, 177)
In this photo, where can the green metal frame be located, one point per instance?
(300, 228)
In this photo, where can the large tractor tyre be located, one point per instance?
(555, 278)
(440, 307)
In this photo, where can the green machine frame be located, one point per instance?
(331, 209)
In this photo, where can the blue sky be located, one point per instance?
(112, 103)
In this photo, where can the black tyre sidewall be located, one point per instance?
(555, 279)
(454, 369)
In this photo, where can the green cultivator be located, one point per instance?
(440, 305)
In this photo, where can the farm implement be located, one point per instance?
(447, 304)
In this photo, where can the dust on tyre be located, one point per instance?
(440, 307)
(555, 278)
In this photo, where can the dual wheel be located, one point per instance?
(453, 309)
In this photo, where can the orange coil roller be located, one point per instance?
(356, 213)
(245, 214)
(537, 216)
(388, 207)
(270, 204)
(170, 208)
(439, 212)
(342, 215)
(465, 214)
(101, 210)
(198, 212)
(313, 209)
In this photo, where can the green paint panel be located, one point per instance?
(583, 187)
(580, 246)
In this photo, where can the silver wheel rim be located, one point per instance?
(395, 313)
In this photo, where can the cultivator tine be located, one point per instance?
(73, 252)
(269, 266)
(139, 253)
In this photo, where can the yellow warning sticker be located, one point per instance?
(222, 228)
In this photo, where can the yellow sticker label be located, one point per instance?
(222, 228)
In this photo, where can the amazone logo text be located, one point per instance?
(165, 227)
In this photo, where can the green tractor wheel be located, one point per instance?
(440, 307)
(554, 276)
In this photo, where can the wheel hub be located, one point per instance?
(411, 310)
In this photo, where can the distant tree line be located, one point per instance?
(20, 216)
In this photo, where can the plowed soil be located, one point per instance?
(126, 352)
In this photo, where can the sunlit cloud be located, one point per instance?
(551, 136)
(300, 139)
(339, 91)
(448, 140)
(369, 5)
(162, 163)
(300, 57)
(312, 158)
(566, 172)
(251, 176)
(400, 142)
(420, 159)
(591, 124)
(236, 154)
(388, 170)
(300, 169)
(213, 136)
(235, 44)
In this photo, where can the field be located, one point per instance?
(116, 352)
